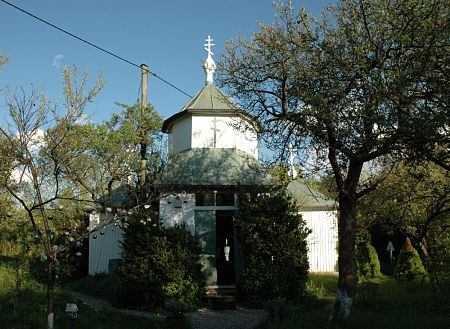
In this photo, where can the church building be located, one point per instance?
(213, 154)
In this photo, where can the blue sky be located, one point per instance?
(166, 35)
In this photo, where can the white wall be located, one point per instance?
(171, 213)
(104, 247)
(180, 135)
(322, 242)
(230, 133)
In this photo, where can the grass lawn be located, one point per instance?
(23, 306)
(380, 304)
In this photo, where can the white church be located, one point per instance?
(213, 155)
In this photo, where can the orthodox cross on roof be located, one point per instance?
(292, 172)
(209, 66)
(208, 46)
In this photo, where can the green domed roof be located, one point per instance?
(214, 167)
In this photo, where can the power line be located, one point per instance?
(94, 45)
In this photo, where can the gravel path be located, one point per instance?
(241, 318)
(203, 318)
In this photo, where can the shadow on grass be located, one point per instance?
(379, 304)
(24, 306)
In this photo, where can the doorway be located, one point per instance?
(225, 237)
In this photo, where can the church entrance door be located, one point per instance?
(224, 244)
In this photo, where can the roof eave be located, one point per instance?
(167, 124)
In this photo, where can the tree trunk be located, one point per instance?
(50, 292)
(348, 278)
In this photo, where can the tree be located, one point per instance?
(362, 83)
(414, 202)
(159, 266)
(33, 134)
(3, 60)
(273, 238)
(368, 265)
(105, 156)
(409, 266)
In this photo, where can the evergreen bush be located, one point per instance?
(368, 264)
(272, 235)
(409, 266)
(158, 265)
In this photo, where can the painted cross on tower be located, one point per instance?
(215, 131)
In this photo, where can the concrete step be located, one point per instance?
(222, 298)
(223, 303)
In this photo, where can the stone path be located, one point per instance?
(241, 318)
(203, 318)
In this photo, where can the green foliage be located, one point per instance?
(279, 309)
(410, 268)
(414, 200)
(24, 307)
(104, 156)
(385, 304)
(273, 239)
(367, 262)
(3, 60)
(159, 265)
(367, 80)
(280, 174)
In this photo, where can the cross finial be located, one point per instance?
(292, 172)
(209, 66)
(208, 46)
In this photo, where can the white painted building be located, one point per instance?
(320, 214)
(104, 246)
(213, 155)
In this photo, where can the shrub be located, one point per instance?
(158, 264)
(368, 265)
(273, 239)
(409, 265)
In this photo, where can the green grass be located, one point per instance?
(379, 304)
(98, 286)
(23, 306)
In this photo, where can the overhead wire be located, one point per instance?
(95, 46)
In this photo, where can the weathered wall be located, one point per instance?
(104, 245)
(176, 208)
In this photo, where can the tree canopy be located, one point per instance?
(414, 202)
(367, 80)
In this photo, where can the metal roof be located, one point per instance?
(210, 101)
(310, 199)
(214, 167)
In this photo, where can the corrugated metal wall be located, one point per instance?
(322, 242)
(104, 245)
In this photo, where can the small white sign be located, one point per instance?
(390, 247)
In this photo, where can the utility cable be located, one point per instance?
(95, 46)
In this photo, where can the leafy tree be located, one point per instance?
(34, 177)
(280, 174)
(409, 265)
(105, 156)
(273, 239)
(366, 256)
(364, 82)
(415, 202)
(3, 60)
(159, 266)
